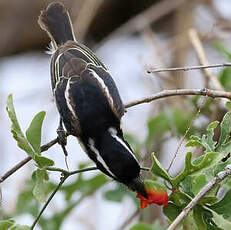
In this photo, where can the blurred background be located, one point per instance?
(130, 37)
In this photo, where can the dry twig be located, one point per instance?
(187, 68)
(178, 92)
(197, 44)
(162, 94)
(26, 160)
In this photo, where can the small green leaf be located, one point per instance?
(115, 195)
(213, 125)
(85, 186)
(198, 217)
(225, 129)
(26, 203)
(228, 105)
(193, 143)
(186, 185)
(223, 207)
(21, 227)
(222, 50)
(221, 222)
(158, 170)
(15, 128)
(43, 161)
(172, 211)
(179, 198)
(181, 119)
(41, 188)
(198, 183)
(192, 168)
(141, 226)
(225, 78)
(205, 219)
(207, 140)
(157, 126)
(6, 224)
(33, 133)
(157, 226)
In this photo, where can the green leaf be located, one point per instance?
(116, 195)
(186, 185)
(198, 217)
(198, 183)
(189, 222)
(26, 203)
(15, 128)
(221, 222)
(204, 219)
(6, 224)
(33, 133)
(158, 170)
(171, 211)
(43, 161)
(225, 129)
(179, 198)
(157, 226)
(228, 105)
(157, 126)
(31, 145)
(41, 188)
(21, 227)
(207, 140)
(222, 49)
(223, 207)
(225, 78)
(192, 168)
(141, 226)
(181, 120)
(85, 186)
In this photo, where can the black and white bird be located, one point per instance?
(88, 100)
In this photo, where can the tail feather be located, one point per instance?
(56, 21)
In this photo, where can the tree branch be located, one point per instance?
(71, 172)
(178, 92)
(26, 160)
(65, 175)
(220, 176)
(162, 94)
(187, 68)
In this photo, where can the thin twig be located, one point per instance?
(26, 160)
(62, 180)
(220, 176)
(162, 94)
(186, 132)
(188, 68)
(65, 175)
(178, 92)
(71, 172)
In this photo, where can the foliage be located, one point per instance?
(209, 213)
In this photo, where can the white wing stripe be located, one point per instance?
(103, 86)
(99, 158)
(67, 97)
(113, 133)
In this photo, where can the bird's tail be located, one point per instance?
(55, 20)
